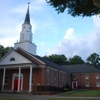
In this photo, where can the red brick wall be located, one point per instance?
(38, 77)
(9, 73)
(51, 76)
(80, 78)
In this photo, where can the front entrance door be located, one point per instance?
(16, 84)
(74, 85)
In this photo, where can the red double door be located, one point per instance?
(16, 84)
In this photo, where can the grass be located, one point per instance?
(84, 93)
(10, 99)
(80, 93)
(71, 99)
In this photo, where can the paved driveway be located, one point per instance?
(38, 97)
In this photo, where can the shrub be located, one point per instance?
(68, 87)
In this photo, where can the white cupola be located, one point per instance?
(26, 36)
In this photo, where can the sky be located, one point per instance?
(53, 33)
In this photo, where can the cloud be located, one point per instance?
(72, 44)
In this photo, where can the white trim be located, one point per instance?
(19, 79)
(74, 78)
(30, 84)
(87, 84)
(52, 68)
(56, 70)
(3, 82)
(97, 76)
(13, 77)
(17, 65)
(86, 76)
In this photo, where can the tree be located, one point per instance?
(58, 59)
(94, 60)
(76, 7)
(3, 50)
(76, 60)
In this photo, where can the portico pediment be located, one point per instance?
(14, 57)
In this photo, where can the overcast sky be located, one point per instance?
(53, 33)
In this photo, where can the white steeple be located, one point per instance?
(26, 33)
(26, 36)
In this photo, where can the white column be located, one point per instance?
(19, 78)
(30, 84)
(3, 81)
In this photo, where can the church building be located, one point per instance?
(21, 69)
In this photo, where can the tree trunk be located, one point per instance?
(96, 3)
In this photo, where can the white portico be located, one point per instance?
(16, 63)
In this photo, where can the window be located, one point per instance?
(97, 84)
(87, 84)
(6, 79)
(55, 78)
(86, 76)
(48, 71)
(97, 76)
(74, 77)
(12, 59)
(60, 79)
(48, 80)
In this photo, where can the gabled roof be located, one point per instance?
(81, 68)
(40, 60)
(51, 64)
(29, 56)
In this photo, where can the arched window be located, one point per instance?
(12, 59)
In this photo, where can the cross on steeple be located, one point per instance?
(28, 3)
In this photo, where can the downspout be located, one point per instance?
(80, 80)
(45, 75)
(58, 79)
(71, 79)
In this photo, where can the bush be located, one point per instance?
(68, 87)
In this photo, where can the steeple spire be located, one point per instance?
(27, 18)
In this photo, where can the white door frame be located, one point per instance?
(17, 75)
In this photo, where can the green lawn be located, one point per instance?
(10, 99)
(80, 93)
(84, 93)
(72, 99)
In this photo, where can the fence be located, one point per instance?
(47, 88)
